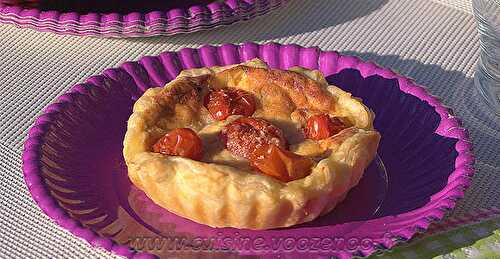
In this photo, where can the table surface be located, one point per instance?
(434, 42)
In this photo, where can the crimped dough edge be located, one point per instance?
(225, 196)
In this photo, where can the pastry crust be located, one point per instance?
(222, 190)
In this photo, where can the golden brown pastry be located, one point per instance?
(278, 148)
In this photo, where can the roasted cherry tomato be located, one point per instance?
(180, 142)
(224, 102)
(245, 134)
(279, 163)
(321, 126)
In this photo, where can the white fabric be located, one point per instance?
(463, 5)
(435, 42)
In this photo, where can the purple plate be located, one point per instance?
(74, 168)
(132, 18)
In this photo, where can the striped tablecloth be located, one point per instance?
(434, 42)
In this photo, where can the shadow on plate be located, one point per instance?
(457, 91)
(415, 171)
(453, 88)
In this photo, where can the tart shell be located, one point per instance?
(224, 195)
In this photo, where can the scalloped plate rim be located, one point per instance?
(452, 128)
(178, 24)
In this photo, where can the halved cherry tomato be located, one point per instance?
(180, 142)
(279, 163)
(224, 102)
(321, 126)
(244, 135)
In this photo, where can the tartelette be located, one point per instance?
(247, 146)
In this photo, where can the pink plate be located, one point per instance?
(74, 168)
(131, 18)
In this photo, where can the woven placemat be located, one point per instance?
(434, 42)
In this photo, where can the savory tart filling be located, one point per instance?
(247, 146)
(255, 139)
